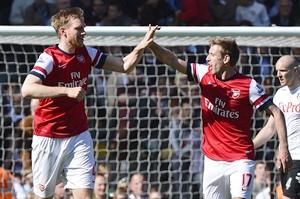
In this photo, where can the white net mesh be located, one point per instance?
(148, 121)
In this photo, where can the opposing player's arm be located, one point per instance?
(33, 88)
(265, 134)
(126, 64)
(279, 121)
(168, 57)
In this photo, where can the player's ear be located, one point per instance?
(226, 59)
(61, 31)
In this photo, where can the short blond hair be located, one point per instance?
(63, 17)
(229, 46)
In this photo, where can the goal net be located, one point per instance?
(148, 121)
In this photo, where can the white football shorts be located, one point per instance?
(226, 180)
(69, 160)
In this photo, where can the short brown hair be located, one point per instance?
(229, 46)
(63, 17)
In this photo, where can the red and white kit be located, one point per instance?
(61, 141)
(227, 108)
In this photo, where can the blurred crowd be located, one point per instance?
(157, 12)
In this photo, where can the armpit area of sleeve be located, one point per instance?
(264, 106)
(101, 61)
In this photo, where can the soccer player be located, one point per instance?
(62, 145)
(227, 99)
(287, 98)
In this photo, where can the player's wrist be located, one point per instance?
(139, 48)
(283, 146)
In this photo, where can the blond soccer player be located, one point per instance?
(62, 145)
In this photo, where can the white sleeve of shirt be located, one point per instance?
(95, 55)
(257, 94)
(43, 65)
(198, 71)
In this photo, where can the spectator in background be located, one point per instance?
(6, 183)
(154, 194)
(261, 179)
(87, 7)
(223, 12)
(295, 51)
(5, 12)
(120, 195)
(63, 4)
(286, 16)
(296, 8)
(264, 60)
(59, 192)
(13, 114)
(17, 12)
(272, 7)
(100, 187)
(252, 11)
(39, 13)
(155, 12)
(26, 127)
(186, 159)
(12, 102)
(136, 187)
(121, 190)
(188, 14)
(27, 180)
(99, 12)
(174, 5)
(116, 16)
(131, 8)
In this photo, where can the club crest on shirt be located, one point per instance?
(80, 58)
(235, 93)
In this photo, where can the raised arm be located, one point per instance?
(168, 57)
(285, 160)
(127, 64)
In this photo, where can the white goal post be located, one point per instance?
(168, 35)
(153, 93)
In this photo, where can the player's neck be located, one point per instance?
(294, 85)
(66, 48)
(228, 74)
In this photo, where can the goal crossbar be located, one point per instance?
(167, 36)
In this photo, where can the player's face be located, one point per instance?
(75, 32)
(286, 75)
(215, 59)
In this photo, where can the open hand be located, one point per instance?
(284, 160)
(149, 37)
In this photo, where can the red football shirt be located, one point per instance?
(227, 108)
(63, 117)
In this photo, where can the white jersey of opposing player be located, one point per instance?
(289, 103)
